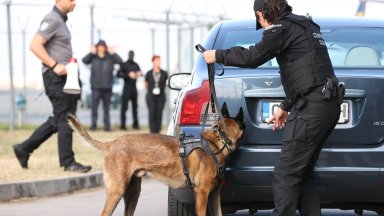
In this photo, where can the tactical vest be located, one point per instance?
(313, 68)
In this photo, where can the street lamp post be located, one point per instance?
(153, 40)
(23, 27)
(92, 7)
(12, 113)
(24, 62)
(167, 107)
(192, 44)
(167, 23)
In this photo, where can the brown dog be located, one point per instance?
(131, 156)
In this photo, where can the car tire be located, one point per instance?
(177, 208)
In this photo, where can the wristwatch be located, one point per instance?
(54, 65)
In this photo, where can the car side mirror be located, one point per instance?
(179, 81)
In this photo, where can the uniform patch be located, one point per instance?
(44, 26)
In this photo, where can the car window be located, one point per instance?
(347, 47)
(244, 37)
(355, 47)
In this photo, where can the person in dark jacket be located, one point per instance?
(129, 71)
(305, 67)
(155, 81)
(102, 60)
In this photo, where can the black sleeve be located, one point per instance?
(116, 59)
(165, 75)
(121, 71)
(272, 41)
(88, 58)
(255, 55)
(287, 104)
(137, 67)
(147, 78)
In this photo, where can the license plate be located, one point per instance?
(270, 107)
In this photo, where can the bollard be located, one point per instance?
(20, 102)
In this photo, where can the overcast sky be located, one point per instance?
(124, 35)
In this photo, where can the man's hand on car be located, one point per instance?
(210, 56)
(278, 119)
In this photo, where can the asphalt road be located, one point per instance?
(153, 201)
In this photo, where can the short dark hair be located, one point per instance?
(273, 9)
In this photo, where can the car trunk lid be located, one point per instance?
(259, 91)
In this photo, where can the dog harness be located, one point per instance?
(188, 143)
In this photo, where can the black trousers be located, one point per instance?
(155, 109)
(105, 96)
(305, 133)
(129, 94)
(62, 105)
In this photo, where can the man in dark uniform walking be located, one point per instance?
(52, 45)
(311, 90)
(129, 71)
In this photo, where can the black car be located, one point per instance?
(350, 170)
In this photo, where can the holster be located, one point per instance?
(340, 93)
(333, 90)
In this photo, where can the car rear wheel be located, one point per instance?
(177, 208)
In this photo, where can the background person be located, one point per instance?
(102, 60)
(52, 45)
(305, 66)
(129, 71)
(155, 81)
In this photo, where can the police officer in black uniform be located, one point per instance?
(129, 71)
(311, 92)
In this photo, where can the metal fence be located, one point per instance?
(167, 33)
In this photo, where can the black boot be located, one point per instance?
(77, 167)
(21, 155)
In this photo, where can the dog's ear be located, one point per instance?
(240, 118)
(224, 110)
(240, 114)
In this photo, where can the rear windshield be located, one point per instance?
(347, 47)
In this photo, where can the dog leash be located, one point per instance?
(215, 112)
(207, 148)
(212, 90)
(183, 153)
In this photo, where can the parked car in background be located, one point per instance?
(350, 170)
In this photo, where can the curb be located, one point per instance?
(49, 187)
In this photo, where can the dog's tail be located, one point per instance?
(79, 128)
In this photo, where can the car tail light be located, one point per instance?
(193, 106)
